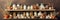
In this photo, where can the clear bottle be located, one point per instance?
(35, 13)
(39, 13)
(31, 7)
(21, 16)
(24, 7)
(18, 15)
(42, 6)
(14, 7)
(18, 5)
(14, 15)
(21, 7)
(27, 14)
(28, 8)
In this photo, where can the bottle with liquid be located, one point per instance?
(18, 15)
(14, 16)
(18, 6)
(21, 7)
(47, 17)
(50, 8)
(21, 16)
(31, 15)
(52, 16)
(24, 7)
(24, 14)
(31, 7)
(46, 7)
(37, 4)
(27, 14)
(6, 16)
(34, 7)
(39, 13)
(35, 13)
(28, 8)
(42, 16)
(14, 7)
(42, 6)
(10, 16)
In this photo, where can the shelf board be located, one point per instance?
(33, 10)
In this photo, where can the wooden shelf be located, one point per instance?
(33, 10)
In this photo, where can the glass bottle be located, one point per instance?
(21, 7)
(42, 6)
(14, 15)
(18, 6)
(27, 14)
(50, 8)
(14, 7)
(35, 13)
(39, 13)
(31, 7)
(18, 15)
(24, 14)
(24, 7)
(28, 8)
(46, 7)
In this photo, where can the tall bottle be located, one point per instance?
(24, 7)
(31, 7)
(42, 6)
(35, 13)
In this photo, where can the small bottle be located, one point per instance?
(24, 7)
(37, 4)
(32, 17)
(50, 8)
